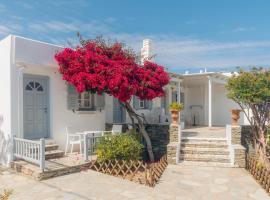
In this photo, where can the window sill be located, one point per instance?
(86, 111)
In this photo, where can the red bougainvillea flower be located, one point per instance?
(111, 69)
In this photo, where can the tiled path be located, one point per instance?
(178, 182)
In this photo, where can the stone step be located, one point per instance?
(205, 158)
(199, 144)
(208, 140)
(203, 151)
(51, 147)
(54, 154)
(204, 164)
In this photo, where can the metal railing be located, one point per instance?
(29, 150)
(91, 141)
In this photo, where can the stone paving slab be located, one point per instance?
(178, 182)
(204, 132)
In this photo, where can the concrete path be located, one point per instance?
(178, 182)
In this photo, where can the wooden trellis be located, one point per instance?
(259, 172)
(137, 171)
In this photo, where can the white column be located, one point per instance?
(179, 92)
(209, 101)
(179, 97)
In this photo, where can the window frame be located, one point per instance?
(143, 102)
(82, 99)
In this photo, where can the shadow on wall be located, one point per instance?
(5, 145)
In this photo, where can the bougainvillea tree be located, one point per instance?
(103, 67)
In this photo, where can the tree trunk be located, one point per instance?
(142, 130)
(262, 150)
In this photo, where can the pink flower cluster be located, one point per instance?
(111, 69)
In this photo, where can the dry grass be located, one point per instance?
(6, 195)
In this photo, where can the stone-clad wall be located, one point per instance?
(239, 156)
(159, 135)
(174, 145)
(236, 135)
(239, 151)
(246, 139)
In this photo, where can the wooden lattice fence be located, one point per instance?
(137, 171)
(259, 172)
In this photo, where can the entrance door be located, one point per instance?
(35, 107)
(119, 114)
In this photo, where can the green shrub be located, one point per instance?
(121, 147)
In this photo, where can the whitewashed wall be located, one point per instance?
(5, 101)
(32, 57)
(221, 106)
(194, 96)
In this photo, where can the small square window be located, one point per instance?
(141, 104)
(86, 101)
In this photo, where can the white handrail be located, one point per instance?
(29, 150)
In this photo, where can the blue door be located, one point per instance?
(35, 107)
(119, 114)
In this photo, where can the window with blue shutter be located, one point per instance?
(141, 104)
(85, 101)
(72, 98)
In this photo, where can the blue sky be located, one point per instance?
(187, 34)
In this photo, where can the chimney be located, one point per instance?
(147, 50)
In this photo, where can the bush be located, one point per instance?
(121, 147)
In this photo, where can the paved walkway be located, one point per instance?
(178, 182)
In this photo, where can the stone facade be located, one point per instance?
(236, 134)
(171, 153)
(173, 146)
(159, 135)
(238, 151)
(247, 139)
(174, 133)
(239, 156)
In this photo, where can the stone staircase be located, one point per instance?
(56, 163)
(205, 152)
(52, 151)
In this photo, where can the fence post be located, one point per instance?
(85, 147)
(13, 147)
(42, 154)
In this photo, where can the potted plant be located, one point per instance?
(235, 116)
(175, 108)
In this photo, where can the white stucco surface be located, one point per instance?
(5, 101)
(37, 58)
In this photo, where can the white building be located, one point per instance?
(36, 103)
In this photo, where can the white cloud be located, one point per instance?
(243, 29)
(9, 29)
(172, 51)
(177, 52)
(65, 27)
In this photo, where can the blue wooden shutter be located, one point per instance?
(148, 104)
(72, 98)
(99, 101)
(136, 103)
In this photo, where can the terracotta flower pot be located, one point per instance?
(235, 116)
(175, 116)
